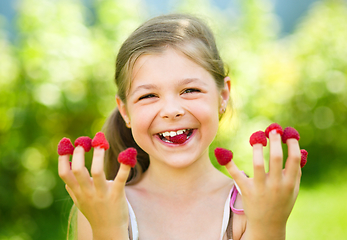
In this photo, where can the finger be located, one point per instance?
(121, 177)
(258, 163)
(97, 170)
(292, 167)
(238, 176)
(276, 155)
(79, 170)
(65, 172)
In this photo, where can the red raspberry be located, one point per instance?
(85, 142)
(100, 141)
(223, 155)
(273, 126)
(258, 137)
(179, 139)
(128, 157)
(290, 132)
(304, 154)
(65, 147)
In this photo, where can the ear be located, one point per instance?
(225, 94)
(123, 111)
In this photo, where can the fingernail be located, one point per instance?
(273, 131)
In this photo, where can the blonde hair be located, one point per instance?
(181, 32)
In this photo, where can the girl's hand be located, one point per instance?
(268, 198)
(102, 202)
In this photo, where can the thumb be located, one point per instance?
(72, 195)
(239, 177)
(122, 176)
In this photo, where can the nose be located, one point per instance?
(172, 109)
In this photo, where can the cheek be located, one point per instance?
(141, 119)
(208, 108)
(207, 114)
(139, 133)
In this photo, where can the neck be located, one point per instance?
(199, 177)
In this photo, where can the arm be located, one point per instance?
(268, 198)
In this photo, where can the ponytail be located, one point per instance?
(120, 138)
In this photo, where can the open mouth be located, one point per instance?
(176, 137)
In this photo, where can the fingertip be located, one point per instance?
(274, 135)
(99, 148)
(273, 132)
(294, 147)
(258, 147)
(64, 157)
(125, 167)
(79, 149)
(292, 141)
(229, 165)
(99, 152)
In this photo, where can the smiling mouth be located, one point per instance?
(176, 137)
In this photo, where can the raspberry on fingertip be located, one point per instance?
(274, 126)
(290, 132)
(85, 142)
(223, 155)
(258, 137)
(65, 147)
(100, 141)
(128, 157)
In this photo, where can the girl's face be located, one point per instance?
(172, 95)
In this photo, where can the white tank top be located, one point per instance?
(229, 203)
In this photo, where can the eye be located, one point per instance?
(151, 95)
(191, 90)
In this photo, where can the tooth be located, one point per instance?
(180, 132)
(172, 134)
(166, 134)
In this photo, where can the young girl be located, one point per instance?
(172, 82)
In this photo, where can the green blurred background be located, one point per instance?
(56, 80)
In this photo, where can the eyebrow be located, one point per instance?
(182, 82)
(190, 80)
(144, 86)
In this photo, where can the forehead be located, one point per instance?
(167, 66)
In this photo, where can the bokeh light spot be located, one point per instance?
(323, 117)
(33, 159)
(336, 82)
(47, 94)
(42, 199)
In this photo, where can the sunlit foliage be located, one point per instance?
(56, 80)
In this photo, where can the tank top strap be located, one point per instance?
(234, 191)
(226, 216)
(133, 230)
(229, 205)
